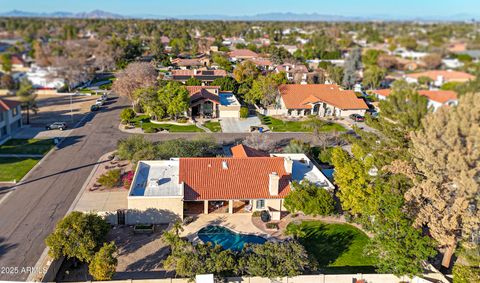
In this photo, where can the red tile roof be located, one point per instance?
(298, 96)
(6, 104)
(440, 96)
(199, 73)
(262, 62)
(447, 75)
(293, 68)
(242, 53)
(246, 151)
(245, 178)
(198, 93)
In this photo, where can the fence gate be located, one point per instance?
(121, 217)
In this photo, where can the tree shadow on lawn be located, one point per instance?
(326, 247)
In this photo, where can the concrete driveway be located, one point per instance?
(235, 125)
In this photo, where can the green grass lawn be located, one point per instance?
(338, 248)
(144, 122)
(26, 146)
(15, 168)
(277, 125)
(213, 126)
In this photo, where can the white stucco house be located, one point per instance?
(323, 100)
(436, 98)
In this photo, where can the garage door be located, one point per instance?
(229, 114)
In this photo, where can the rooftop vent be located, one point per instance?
(224, 165)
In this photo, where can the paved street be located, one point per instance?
(29, 213)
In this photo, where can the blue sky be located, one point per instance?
(411, 8)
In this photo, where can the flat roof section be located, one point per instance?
(157, 178)
(228, 99)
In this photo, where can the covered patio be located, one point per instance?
(217, 206)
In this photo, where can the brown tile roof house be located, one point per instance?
(246, 151)
(6, 105)
(242, 54)
(198, 93)
(202, 75)
(446, 75)
(219, 178)
(301, 96)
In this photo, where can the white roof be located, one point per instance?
(157, 178)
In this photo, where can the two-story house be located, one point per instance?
(10, 118)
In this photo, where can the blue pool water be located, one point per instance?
(228, 239)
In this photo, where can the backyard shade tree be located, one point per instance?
(104, 262)
(246, 72)
(309, 199)
(192, 81)
(135, 76)
(446, 155)
(77, 236)
(275, 260)
(226, 84)
(265, 89)
(373, 76)
(27, 97)
(127, 114)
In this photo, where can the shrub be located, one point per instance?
(256, 213)
(325, 156)
(265, 216)
(182, 120)
(110, 179)
(309, 199)
(104, 262)
(272, 225)
(150, 130)
(244, 112)
(127, 179)
(127, 114)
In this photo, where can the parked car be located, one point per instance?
(104, 97)
(99, 102)
(357, 117)
(57, 126)
(95, 107)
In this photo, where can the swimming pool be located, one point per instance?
(228, 239)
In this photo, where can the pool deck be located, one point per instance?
(240, 223)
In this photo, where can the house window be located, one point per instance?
(260, 204)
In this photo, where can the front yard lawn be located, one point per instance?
(144, 122)
(277, 125)
(15, 168)
(26, 146)
(338, 248)
(213, 126)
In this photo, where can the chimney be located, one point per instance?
(288, 164)
(273, 183)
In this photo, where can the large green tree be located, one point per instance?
(78, 236)
(174, 98)
(309, 199)
(104, 262)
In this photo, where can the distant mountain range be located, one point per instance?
(99, 14)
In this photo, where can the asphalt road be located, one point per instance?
(29, 212)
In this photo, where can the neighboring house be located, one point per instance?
(190, 63)
(10, 118)
(407, 54)
(290, 48)
(323, 100)
(208, 101)
(452, 63)
(44, 78)
(439, 77)
(436, 98)
(166, 190)
(205, 76)
(263, 63)
(408, 64)
(294, 72)
(19, 64)
(242, 54)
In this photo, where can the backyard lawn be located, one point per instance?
(15, 168)
(277, 125)
(338, 248)
(144, 122)
(213, 126)
(26, 146)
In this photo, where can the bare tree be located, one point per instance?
(260, 142)
(135, 76)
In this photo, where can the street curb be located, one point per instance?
(44, 258)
